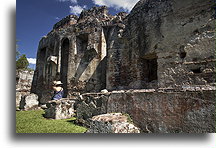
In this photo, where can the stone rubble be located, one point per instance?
(29, 102)
(23, 84)
(111, 123)
(60, 109)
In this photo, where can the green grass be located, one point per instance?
(34, 122)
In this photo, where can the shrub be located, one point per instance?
(22, 62)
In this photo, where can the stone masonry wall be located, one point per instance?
(160, 44)
(75, 52)
(158, 111)
(167, 112)
(158, 61)
(23, 84)
(167, 43)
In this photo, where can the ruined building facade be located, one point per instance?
(160, 45)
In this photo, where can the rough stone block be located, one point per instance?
(18, 98)
(111, 123)
(89, 106)
(29, 102)
(60, 109)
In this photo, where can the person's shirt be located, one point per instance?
(58, 94)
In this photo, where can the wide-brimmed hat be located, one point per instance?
(57, 83)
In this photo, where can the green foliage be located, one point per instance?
(22, 62)
(34, 122)
(17, 51)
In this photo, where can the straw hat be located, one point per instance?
(57, 83)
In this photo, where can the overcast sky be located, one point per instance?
(35, 18)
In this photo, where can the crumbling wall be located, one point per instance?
(169, 43)
(75, 52)
(156, 111)
(23, 84)
(159, 44)
(190, 110)
(167, 112)
(162, 53)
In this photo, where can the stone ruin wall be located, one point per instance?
(156, 111)
(23, 84)
(161, 45)
(76, 53)
(153, 111)
(168, 44)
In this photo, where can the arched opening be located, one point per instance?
(64, 63)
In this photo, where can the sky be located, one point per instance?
(35, 18)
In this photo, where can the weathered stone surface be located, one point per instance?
(90, 105)
(80, 46)
(23, 84)
(154, 110)
(168, 43)
(60, 109)
(164, 48)
(159, 44)
(167, 112)
(18, 98)
(24, 80)
(111, 123)
(29, 102)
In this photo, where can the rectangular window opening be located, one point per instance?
(82, 43)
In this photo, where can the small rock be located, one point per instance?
(104, 91)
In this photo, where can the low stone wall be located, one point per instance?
(167, 112)
(157, 111)
(60, 109)
(153, 111)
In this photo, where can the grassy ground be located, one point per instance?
(34, 122)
